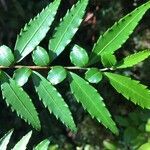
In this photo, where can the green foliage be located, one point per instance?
(40, 56)
(130, 89)
(133, 59)
(22, 75)
(53, 100)
(84, 94)
(79, 56)
(114, 37)
(33, 32)
(6, 56)
(93, 75)
(56, 75)
(22, 143)
(28, 41)
(42, 145)
(5, 140)
(67, 28)
(108, 60)
(19, 101)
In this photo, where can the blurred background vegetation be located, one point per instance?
(132, 121)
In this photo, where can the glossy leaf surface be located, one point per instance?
(56, 75)
(22, 75)
(91, 101)
(19, 101)
(93, 75)
(40, 56)
(67, 28)
(114, 37)
(6, 56)
(33, 32)
(53, 100)
(79, 56)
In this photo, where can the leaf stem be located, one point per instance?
(49, 67)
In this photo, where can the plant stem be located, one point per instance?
(49, 67)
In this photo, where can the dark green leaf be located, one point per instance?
(21, 75)
(6, 56)
(53, 100)
(33, 32)
(91, 101)
(93, 75)
(67, 28)
(56, 75)
(79, 56)
(19, 101)
(40, 56)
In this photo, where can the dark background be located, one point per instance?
(100, 15)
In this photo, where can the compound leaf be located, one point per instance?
(33, 32)
(56, 75)
(5, 140)
(114, 37)
(53, 100)
(130, 89)
(40, 56)
(133, 59)
(91, 101)
(79, 56)
(42, 145)
(67, 28)
(19, 101)
(22, 75)
(23, 142)
(6, 56)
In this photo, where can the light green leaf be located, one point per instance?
(6, 56)
(130, 89)
(145, 146)
(114, 37)
(5, 140)
(53, 100)
(19, 100)
(42, 145)
(56, 75)
(91, 101)
(108, 60)
(67, 29)
(33, 32)
(133, 59)
(93, 75)
(109, 145)
(22, 144)
(40, 56)
(79, 56)
(22, 75)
